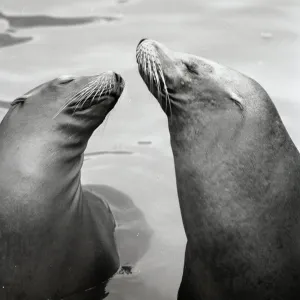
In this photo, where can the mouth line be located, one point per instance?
(92, 101)
(103, 90)
(92, 93)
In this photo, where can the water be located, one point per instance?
(130, 160)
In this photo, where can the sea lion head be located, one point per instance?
(203, 99)
(226, 135)
(50, 126)
(81, 103)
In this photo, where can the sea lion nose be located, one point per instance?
(141, 41)
(117, 78)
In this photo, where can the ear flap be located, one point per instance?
(18, 100)
(237, 100)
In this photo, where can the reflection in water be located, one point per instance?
(97, 293)
(89, 156)
(19, 21)
(133, 235)
(144, 142)
(4, 104)
(16, 22)
(7, 40)
(125, 270)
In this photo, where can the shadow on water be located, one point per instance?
(6, 40)
(17, 22)
(133, 233)
(92, 155)
(4, 104)
(133, 237)
(97, 293)
(22, 22)
(144, 142)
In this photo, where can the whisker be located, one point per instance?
(151, 75)
(151, 66)
(83, 99)
(103, 127)
(167, 98)
(157, 82)
(62, 108)
(145, 62)
(72, 98)
(82, 95)
(94, 89)
(96, 93)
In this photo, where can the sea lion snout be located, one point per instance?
(141, 41)
(116, 79)
(119, 80)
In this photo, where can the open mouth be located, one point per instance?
(151, 71)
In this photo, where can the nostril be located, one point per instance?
(142, 40)
(117, 77)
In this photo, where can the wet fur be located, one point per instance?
(57, 239)
(238, 175)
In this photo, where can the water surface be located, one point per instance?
(131, 153)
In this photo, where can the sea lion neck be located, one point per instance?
(207, 131)
(38, 150)
(216, 158)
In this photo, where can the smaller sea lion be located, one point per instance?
(57, 239)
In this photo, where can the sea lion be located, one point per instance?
(237, 173)
(57, 240)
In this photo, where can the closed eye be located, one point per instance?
(18, 100)
(192, 68)
(65, 79)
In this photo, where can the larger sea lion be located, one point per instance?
(57, 240)
(238, 178)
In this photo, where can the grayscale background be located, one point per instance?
(40, 40)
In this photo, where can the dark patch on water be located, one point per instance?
(144, 142)
(97, 293)
(133, 233)
(4, 104)
(20, 22)
(133, 236)
(6, 40)
(92, 154)
(125, 270)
